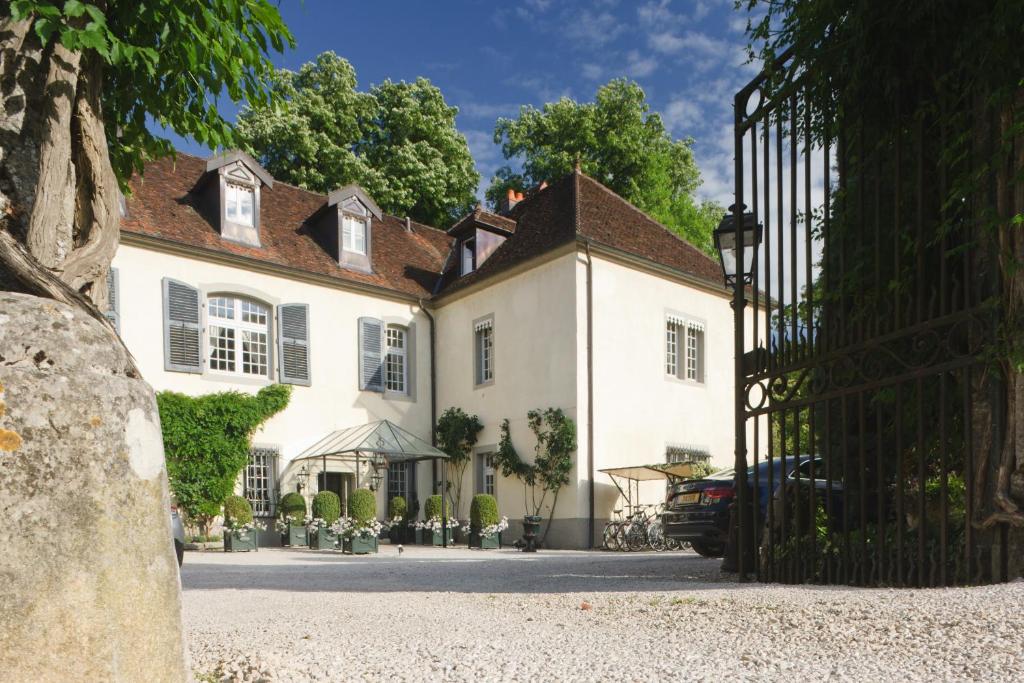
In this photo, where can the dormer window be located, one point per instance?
(354, 218)
(230, 192)
(239, 204)
(344, 227)
(468, 256)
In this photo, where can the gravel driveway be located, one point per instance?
(456, 614)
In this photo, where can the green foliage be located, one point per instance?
(483, 511)
(703, 469)
(457, 433)
(398, 141)
(555, 435)
(362, 505)
(397, 507)
(432, 508)
(237, 511)
(619, 142)
(166, 60)
(327, 506)
(292, 506)
(207, 440)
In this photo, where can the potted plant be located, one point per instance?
(326, 511)
(360, 528)
(293, 520)
(398, 512)
(457, 433)
(239, 528)
(431, 527)
(485, 526)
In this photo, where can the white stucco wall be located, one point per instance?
(535, 349)
(333, 401)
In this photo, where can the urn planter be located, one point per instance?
(491, 542)
(297, 535)
(531, 527)
(241, 540)
(361, 545)
(323, 539)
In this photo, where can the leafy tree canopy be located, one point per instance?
(398, 141)
(164, 59)
(619, 142)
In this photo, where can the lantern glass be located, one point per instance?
(737, 263)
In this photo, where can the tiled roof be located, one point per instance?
(480, 216)
(161, 205)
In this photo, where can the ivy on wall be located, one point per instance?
(206, 443)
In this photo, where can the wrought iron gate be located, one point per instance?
(861, 345)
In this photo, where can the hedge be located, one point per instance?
(362, 505)
(398, 508)
(237, 510)
(433, 508)
(483, 511)
(292, 505)
(327, 506)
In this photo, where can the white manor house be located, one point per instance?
(569, 297)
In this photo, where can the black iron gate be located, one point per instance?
(860, 365)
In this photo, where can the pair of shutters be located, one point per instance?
(373, 353)
(183, 336)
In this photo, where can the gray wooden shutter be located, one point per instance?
(181, 328)
(113, 311)
(700, 356)
(371, 354)
(293, 343)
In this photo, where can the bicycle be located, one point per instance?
(610, 536)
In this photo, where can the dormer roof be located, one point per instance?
(231, 156)
(342, 193)
(487, 220)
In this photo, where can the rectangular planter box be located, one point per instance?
(237, 541)
(437, 540)
(492, 542)
(295, 536)
(323, 539)
(361, 546)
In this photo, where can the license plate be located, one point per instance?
(688, 498)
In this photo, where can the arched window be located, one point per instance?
(239, 335)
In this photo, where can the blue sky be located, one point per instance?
(490, 58)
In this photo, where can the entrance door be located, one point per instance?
(339, 482)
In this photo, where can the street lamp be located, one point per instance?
(379, 464)
(302, 478)
(725, 242)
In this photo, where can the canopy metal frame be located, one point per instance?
(380, 438)
(632, 475)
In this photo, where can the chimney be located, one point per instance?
(510, 201)
(408, 224)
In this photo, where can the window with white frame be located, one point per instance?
(483, 334)
(354, 234)
(398, 480)
(468, 256)
(240, 204)
(239, 335)
(260, 475)
(489, 474)
(396, 366)
(684, 349)
(694, 454)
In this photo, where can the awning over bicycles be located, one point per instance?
(634, 474)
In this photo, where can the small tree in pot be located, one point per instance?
(292, 519)
(431, 525)
(239, 528)
(326, 511)
(361, 527)
(485, 526)
(398, 512)
(457, 433)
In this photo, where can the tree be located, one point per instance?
(618, 141)
(398, 141)
(456, 435)
(207, 441)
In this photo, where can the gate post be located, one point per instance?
(739, 302)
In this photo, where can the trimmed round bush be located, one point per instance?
(292, 506)
(237, 510)
(433, 508)
(362, 505)
(398, 508)
(483, 511)
(327, 506)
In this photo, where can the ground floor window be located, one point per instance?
(398, 480)
(694, 454)
(486, 473)
(260, 481)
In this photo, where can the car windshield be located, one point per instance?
(725, 474)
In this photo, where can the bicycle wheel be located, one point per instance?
(656, 537)
(622, 536)
(611, 536)
(637, 536)
(672, 543)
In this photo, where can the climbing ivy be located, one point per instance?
(206, 443)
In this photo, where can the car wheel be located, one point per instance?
(179, 550)
(708, 549)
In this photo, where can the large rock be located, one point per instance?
(89, 587)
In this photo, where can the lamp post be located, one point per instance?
(736, 239)
(379, 464)
(302, 478)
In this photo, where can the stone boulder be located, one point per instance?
(89, 586)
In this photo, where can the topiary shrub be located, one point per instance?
(483, 511)
(237, 511)
(433, 508)
(362, 506)
(398, 508)
(292, 506)
(327, 506)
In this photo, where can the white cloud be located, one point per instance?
(657, 15)
(701, 10)
(593, 72)
(594, 30)
(682, 116)
(482, 110)
(666, 42)
(638, 66)
(704, 45)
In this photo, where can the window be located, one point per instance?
(694, 454)
(484, 342)
(239, 336)
(398, 480)
(488, 473)
(260, 475)
(468, 256)
(239, 204)
(689, 335)
(395, 363)
(354, 234)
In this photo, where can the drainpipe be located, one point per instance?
(433, 421)
(590, 398)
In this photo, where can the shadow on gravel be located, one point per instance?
(505, 573)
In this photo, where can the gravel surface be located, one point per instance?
(456, 614)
